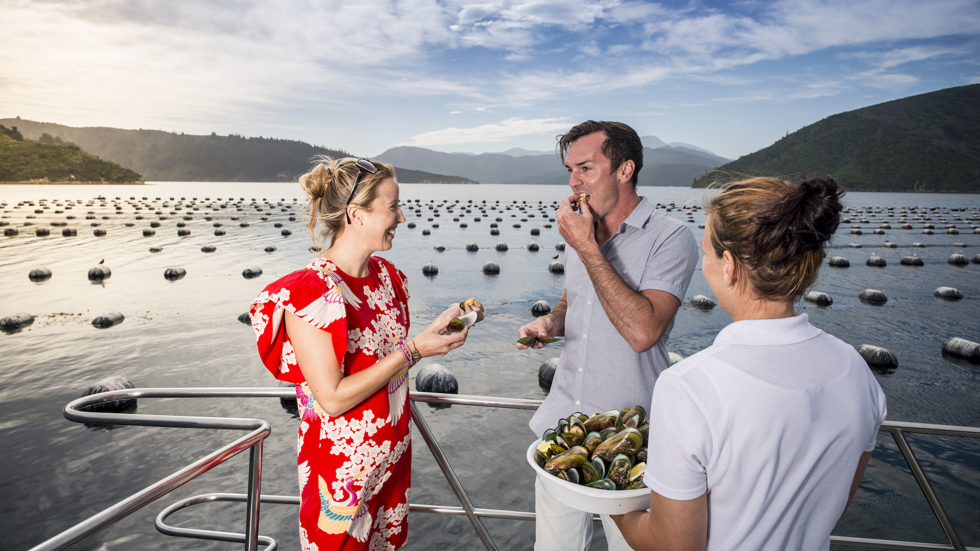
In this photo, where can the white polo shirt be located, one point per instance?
(770, 421)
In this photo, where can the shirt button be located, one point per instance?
(585, 336)
(590, 302)
(624, 271)
(580, 370)
(577, 402)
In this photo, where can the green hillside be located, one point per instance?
(929, 142)
(29, 161)
(168, 156)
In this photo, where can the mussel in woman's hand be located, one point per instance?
(532, 340)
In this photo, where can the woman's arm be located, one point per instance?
(336, 393)
(669, 525)
(862, 464)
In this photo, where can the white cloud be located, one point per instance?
(496, 132)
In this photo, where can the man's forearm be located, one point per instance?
(629, 311)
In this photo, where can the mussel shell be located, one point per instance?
(625, 442)
(607, 433)
(575, 425)
(591, 442)
(645, 431)
(600, 466)
(603, 484)
(600, 421)
(635, 416)
(574, 457)
(549, 434)
(540, 458)
(619, 471)
(456, 325)
(570, 475)
(562, 426)
(637, 484)
(641, 455)
(581, 416)
(589, 473)
(573, 438)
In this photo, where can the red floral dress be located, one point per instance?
(354, 469)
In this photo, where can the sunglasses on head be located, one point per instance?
(363, 165)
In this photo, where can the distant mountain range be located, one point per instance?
(929, 142)
(168, 156)
(663, 165)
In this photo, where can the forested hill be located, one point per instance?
(929, 142)
(25, 161)
(167, 156)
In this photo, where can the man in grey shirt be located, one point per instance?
(627, 269)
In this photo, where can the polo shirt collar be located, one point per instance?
(769, 331)
(640, 215)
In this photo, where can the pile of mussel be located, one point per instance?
(606, 451)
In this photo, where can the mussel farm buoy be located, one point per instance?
(439, 248)
(854, 245)
(962, 348)
(426, 232)
(491, 267)
(39, 274)
(975, 259)
(99, 273)
(702, 302)
(532, 247)
(249, 273)
(289, 403)
(872, 296)
(535, 231)
(546, 373)
(472, 247)
(818, 298)
(560, 246)
(68, 232)
(286, 233)
(948, 293)
(108, 385)
(156, 249)
(208, 249)
(556, 267)
(875, 260)
(42, 232)
(411, 225)
(911, 260)
(838, 262)
(245, 318)
(877, 357)
(108, 319)
(219, 233)
(99, 233)
(430, 269)
(540, 308)
(16, 322)
(10, 232)
(149, 233)
(494, 231)
(436, 378)
(270, 249)
(917, 245)
(957, 259)
(173, 274)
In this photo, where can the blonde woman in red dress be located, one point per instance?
(338, 329)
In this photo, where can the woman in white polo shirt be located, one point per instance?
(768, 431)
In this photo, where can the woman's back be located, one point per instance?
(773, 419)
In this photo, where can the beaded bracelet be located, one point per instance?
(406, 352)
(416, 356)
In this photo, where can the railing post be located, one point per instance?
(254, 497)
(447, 470)
(931, 497)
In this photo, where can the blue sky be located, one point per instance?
(731, 77)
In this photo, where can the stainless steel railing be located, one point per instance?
(259, 430)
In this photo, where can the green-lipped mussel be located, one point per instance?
(607, 450)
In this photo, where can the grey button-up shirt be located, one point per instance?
(598, 370)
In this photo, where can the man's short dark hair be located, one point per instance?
(621, 144)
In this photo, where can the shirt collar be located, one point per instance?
(640, 215)
(768, 331)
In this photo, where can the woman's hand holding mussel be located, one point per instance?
(436, 339)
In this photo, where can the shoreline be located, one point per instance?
(71, 183)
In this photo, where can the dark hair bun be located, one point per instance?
(803, 220)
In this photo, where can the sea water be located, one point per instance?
(185, 333)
